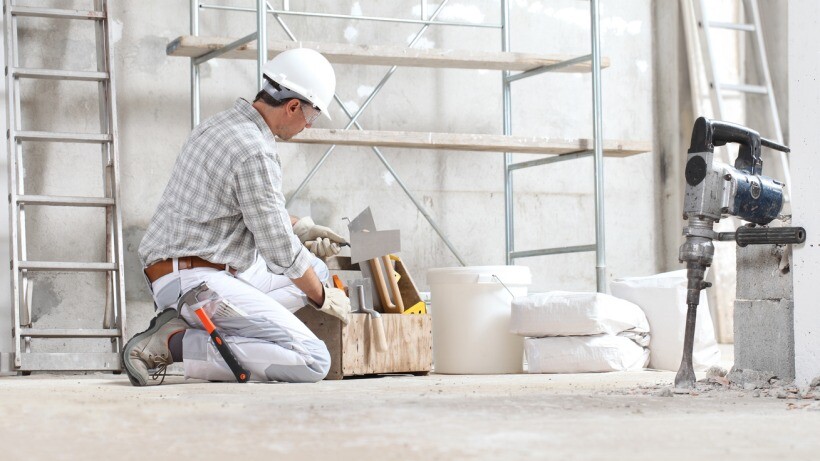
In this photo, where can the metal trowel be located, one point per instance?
(373, 246)
(361, 301)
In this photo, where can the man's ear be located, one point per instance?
(292, 106)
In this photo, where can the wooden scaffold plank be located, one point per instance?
(196, 46)
(467, 142)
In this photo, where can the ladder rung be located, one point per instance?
(56, 13)
(66, 266)
(69, 361)
(62, 137)
(59, 74)
(64, 200)
(756, 89)
(733, 26)
(68, 333)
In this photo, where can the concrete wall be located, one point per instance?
(462, 190)
(804, 98)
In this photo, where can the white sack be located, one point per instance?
(564, 313)
(663, 298)
(585, 354)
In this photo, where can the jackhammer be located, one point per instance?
(715, 190)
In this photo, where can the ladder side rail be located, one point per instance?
(105, 150)
(26, 284)
(114, 213)
(753, 10)
(693, 56)
(710, 66)
(12, 127)
(709, 63)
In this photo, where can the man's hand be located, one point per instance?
(336, 304)
(323, 248)
(320, 240)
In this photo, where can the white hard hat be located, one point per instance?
(306, 72)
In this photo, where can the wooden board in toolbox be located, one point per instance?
(352, 349)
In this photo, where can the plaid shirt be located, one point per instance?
(224, 200)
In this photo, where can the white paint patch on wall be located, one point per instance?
(351, 34)
(535, 7)
(364, 90)
(116, 31)
(422, 44)
(356, 9)
(388, 178)
(579, 17)
(620, 26)
(455, 12)
(642, 65)
(351, 106)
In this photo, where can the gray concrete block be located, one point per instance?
(764, 336)
(759, 275)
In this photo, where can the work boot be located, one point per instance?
(149, 349)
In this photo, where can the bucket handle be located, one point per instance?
(487, 278)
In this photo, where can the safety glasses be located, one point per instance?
(310, 112)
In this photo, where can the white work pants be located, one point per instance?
(264, 335)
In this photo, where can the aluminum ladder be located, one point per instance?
(717, 88)
(113, 319)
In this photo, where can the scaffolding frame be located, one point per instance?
(263, 8)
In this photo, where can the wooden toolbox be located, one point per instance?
(352, 347)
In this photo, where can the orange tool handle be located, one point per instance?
(206, 321)
(240, 373)
(337, 282)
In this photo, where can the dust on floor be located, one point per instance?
(609, 416)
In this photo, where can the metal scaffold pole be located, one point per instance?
(507, 109)
(600, 244)
(195, 109)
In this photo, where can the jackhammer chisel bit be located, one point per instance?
(714, 190)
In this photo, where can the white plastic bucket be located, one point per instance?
(471, 318)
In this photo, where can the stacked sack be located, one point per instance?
(568, 332)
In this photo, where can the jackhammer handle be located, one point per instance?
(769, 235)
(774, 145)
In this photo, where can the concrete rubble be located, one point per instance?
(739, 383)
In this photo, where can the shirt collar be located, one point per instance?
(246, 108)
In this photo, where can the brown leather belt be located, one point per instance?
(166, 266)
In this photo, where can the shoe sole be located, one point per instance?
(164, 317)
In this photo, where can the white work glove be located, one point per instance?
(323, 247)
(336, 304)
(320, 240)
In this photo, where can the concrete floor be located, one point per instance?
(574, 417)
